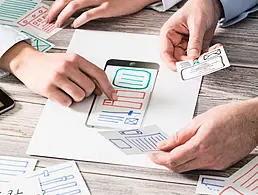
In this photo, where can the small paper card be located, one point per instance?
(207, 63)
(210, 184)
(136, 141)
(34, 22)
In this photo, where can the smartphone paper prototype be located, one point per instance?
(134, 83)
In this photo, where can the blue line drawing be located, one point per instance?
(60, 185)
(213, 186)
(10, 168)
(131, 132)
(129, 113)
(147, 143)
(132, 78)
(120, 143)
(131, 121)
(109, 118)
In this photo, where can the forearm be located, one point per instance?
(16, 56)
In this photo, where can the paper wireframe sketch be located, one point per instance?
(232, 189)
(133, 87)
(34, 22)
(171, 106)
(207, 63)
(136, 141)
(12, 167)
(210, 184)
(246, 177)
(22, 187)
(61, 179)
(39, 43)
(12, 10)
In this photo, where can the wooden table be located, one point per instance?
(239, 82)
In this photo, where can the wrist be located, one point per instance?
(16, 57)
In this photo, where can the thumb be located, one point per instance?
(195, 43)
(180, 138)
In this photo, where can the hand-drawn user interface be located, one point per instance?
(133, 87)
(136, 141)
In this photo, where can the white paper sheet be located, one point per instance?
(22, 187)
(61, 132)
(12, 167)
(210, 184)
(61, 179)
(232, 189)
(136, 141)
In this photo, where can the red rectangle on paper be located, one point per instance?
(130, 94)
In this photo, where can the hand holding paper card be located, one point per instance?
(136, 141)
(34, 22)
(207, 63)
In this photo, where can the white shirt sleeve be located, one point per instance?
(9, 37)
(164, 5)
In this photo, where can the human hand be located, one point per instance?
(61, 77)
(189, 31)
(64, 9)
(213, 140)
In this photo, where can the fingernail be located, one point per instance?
(161, 144)
(193, 53)
(114, 96)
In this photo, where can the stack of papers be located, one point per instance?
(17, 176)
(243, 182)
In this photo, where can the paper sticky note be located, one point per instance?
(136, 141)
(61, 179)
(12, 167)
(210, 184)
(22, 187)
(207, 63)
(34, 22)
(133, 88)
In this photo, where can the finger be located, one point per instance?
(55, 9)
(92, 14)
(97, 91)
(71, 89)
(180, 137)
(82, 81)
(169, 40)
(58, 96)
(99, 76)
(180, 54)
(188, 166)
(178, 155)
(67, 12)
(195, 40)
